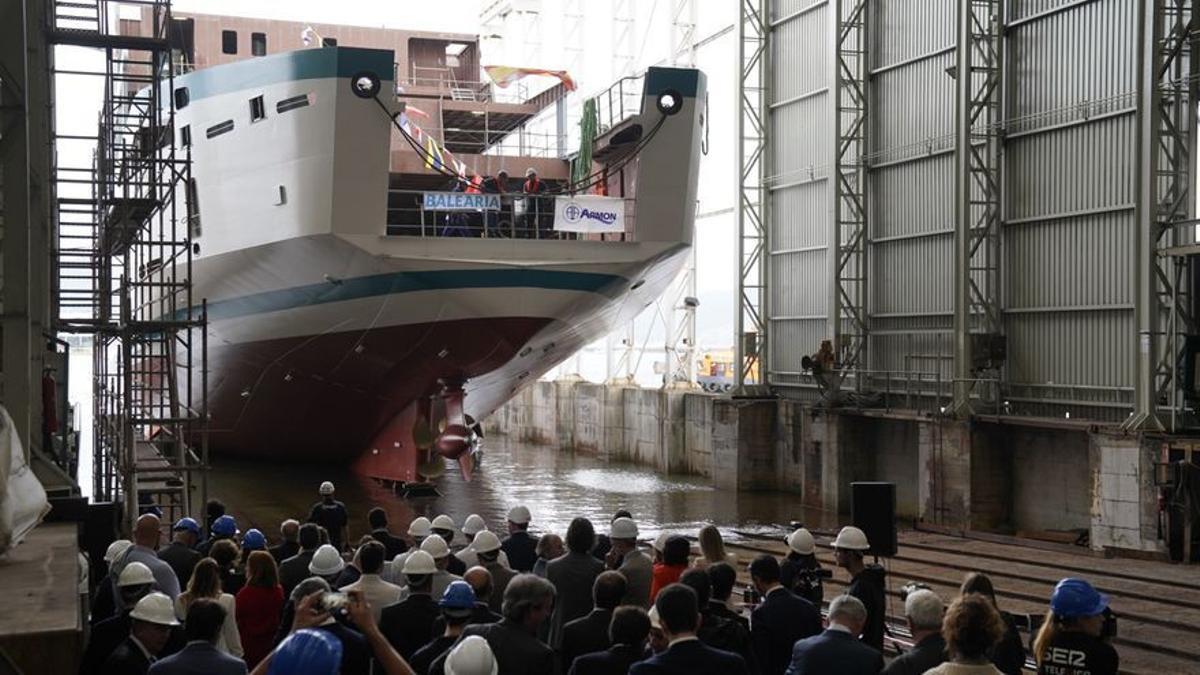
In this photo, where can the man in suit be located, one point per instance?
(181, 554)
(520, 547)
(590, 633)
(679, 613)
(924, 610)
(135, 583)
(201, 656)
(721, 577)
(838, 650)
(293, 570)
(629, 629)
(289, 545)
(151, 621)
(528, 601)
(573, 574)
(393, 545)
(624, 557)
(780, 620)
(715, 631)
(408, 624)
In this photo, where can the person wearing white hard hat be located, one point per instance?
(419, 529)
(799, 571)
(437, 547)
(487, 547)
(866, 581)
(331, 514)
(624, 557)
(519, 546)
(327, 563)
(444, 527)
(472, 656)
(151, 622)
(408, 624)
(104, 603)
(135, 582)
(378, 593)
(203, 623)
(472, 526)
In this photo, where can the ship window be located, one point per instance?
(258, 44)
(218, 129)
(193, 208)
(328, 42)
(229, 41)
(258, 110)
(292, 103)
(182, 99)
(185, 136)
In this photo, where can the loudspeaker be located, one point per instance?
(873, 510)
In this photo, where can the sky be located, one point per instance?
(543, 43)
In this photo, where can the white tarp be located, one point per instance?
(589, 213)
(22, 499)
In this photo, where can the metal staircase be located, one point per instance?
(123, 259)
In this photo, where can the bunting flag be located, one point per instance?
(309, 36)
(503, 76)
(432, 154)
(414, 110)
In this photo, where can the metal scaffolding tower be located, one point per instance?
(978, 114)
(1166, 165)
(752, 165)
(847, 323)
(123, 258)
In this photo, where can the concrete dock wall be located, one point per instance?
(1010, 475)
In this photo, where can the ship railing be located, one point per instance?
(619, 102)
(478, 91)
(510, 142)
(519, 217)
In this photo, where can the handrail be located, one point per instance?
(620, 101)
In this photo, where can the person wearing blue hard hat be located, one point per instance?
(457, 605)
(224, 527)
(1074, 638)
(307, 652)
(254, 540)
(181, 553)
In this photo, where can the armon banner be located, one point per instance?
(589, 213)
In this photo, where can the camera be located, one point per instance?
(1109, 630)
(333, 600)
(813, 575)
(912, 587)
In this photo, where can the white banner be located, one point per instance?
(460, 201)
(589, 213)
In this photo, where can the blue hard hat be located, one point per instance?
(254, 540)
(1076, 598)
(225, 526)
(458, 595)
(307, 652)
(188, 524)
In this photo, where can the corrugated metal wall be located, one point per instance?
(1068, 195)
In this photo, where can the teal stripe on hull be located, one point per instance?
(410, 282)
(304, 64)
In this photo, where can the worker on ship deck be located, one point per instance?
(331, 514)
(534, 221)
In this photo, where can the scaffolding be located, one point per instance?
(123, 263)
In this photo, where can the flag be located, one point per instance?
(414, 110)
(432, 154)
(308, 36)
(503, 76)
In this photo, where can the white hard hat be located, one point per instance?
(326, 561)
(801, 541)
(435, 547)
(473, 525)
(419, 562)
(443, 522)
(655, 622)
(623, 528)
(660, 542)
(326, 488)
(135, 574)
(155, 608)
(485, 542)
(419, 527)
(472, 656)
(852, 539)
(518, 515)
(116, 549)
(530, 172)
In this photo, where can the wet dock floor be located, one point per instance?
(555, 486)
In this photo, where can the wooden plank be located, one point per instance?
(41, 580)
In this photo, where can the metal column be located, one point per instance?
(978, 74)
(753, 161)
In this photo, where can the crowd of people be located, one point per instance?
(444, 598)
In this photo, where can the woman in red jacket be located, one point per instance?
(259, 605)
(674, 563)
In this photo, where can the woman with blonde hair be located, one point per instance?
(206, 583)
(972, 627)
(712, 549)
(259, 606)
(1073, 638)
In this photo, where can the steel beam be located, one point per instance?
(751, 122)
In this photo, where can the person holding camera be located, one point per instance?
(799, 571)
(1074, 638)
